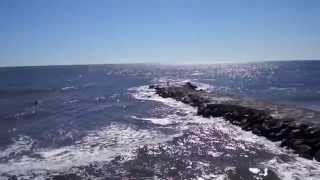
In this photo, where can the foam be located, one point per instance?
(20, 145)
(100, 98)
(71, 101)
(197, 73)
(98, 146)
(254, 170)
(296, 167)
(68, 88)
(160, 121)
(212, 176)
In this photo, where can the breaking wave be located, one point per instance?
(98, 146)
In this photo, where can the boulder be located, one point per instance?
(304, 150)
(317, 155)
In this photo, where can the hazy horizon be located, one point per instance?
(157, 32)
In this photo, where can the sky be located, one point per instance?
(46, 32)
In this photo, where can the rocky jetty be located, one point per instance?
(301, 136)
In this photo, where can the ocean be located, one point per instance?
(103, 122)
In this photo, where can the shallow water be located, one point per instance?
(103, 122)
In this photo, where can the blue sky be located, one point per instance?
(43, 32)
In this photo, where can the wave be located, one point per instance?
(160, 121)
(98, 146)
(68, 88)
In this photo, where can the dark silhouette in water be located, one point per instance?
(36, 102)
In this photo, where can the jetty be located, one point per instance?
(296, 129)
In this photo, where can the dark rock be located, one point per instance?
(152, 86)
(297, 142)
(312, 132)
(302, 137)
(282, 133)
(312, 141)
(273, 136)
(296, 133)
(191, 86)
(317, 145)
(304, 150)
(256, 131)
(204, 111)
(13, 177)
(317, 155)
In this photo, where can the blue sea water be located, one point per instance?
(58, 120)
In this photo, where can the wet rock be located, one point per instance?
(13, 177)
(304, 150)
(317, 155)
(312, 141)
(204, 111)
(191, 86)
(296, 133)
(317, 145)
(152, 86)
(256, 131)
(302, 137)
(282, 133)
(312, 133)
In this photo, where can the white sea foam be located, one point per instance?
(254, 170)
(68, 88)
(100, 98)
(20, 145)
(160, 121)
(197, 73)
(97, 146)
(300, 168)
(71, 101)
(295, 168)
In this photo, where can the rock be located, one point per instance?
(191, 86)
(304, 150)
(273, 136)
(282, 133)
(297, 142)
(296, 133)
(243, 121)
(317, 145)
(312, 141)
(285, 142)
(312, 132)
(256, 131)
(204, 111)
(317, 155)
(152, 87)
(302, 137)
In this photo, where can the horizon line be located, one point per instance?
(159, 63)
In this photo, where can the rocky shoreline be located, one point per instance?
(302, 137)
